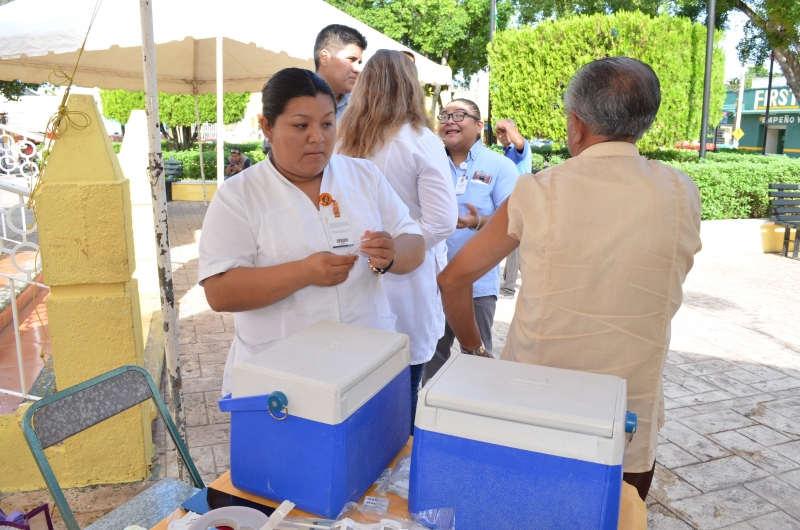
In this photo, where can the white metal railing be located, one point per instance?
(208, 130)
(19, 232)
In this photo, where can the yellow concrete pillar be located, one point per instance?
(86, 240)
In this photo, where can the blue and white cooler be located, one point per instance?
(316, 418)
(512, 445)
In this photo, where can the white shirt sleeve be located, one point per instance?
(227, 240)
(437, 195)
(393, 211)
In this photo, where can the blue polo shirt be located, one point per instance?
(523, 159)
(486, 198)
(342, 104)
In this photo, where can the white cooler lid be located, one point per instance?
(327, 370)
(566, 400)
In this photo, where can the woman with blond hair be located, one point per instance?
(387, 124)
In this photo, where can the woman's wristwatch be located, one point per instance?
(376, 270)
(480, 351)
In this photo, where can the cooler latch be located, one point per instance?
(631, 420)
(279, 403)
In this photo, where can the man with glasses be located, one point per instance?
(482, 179)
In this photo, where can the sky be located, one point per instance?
(736, 22)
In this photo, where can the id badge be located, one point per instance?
(340, 231)
(461, 185)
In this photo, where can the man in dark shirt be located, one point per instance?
(237, 163)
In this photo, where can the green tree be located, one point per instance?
(756, 71)
(12, 90)
(773, 25)
(177, 111)
(450, 32)
(532, 66)
(534, 11)
(118, 104)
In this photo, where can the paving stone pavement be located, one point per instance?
(729, 452)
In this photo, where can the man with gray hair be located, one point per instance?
(609, 236)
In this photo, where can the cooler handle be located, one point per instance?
(277, 403)
(631, 420)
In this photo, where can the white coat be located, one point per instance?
(416, 165)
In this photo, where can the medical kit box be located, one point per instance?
(316, 418)
(512, 445)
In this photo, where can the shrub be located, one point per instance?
(532, 66)
(191, 159)
(733, 184)
(739, 189)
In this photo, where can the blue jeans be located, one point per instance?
(416, 378)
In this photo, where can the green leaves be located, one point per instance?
(13, 90)
(532, 66)
(457, 30)
(175, 110)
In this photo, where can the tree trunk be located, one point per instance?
(170, 136)
(174, 134)
(184, 139)
(434, 100)
(437, 89)
(790, 67)
(787, 59)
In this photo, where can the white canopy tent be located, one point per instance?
(259, 38)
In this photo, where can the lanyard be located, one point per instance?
(326, 200)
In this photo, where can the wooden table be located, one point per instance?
(397, 505)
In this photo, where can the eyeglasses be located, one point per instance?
(457, 116)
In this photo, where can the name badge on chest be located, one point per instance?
(340, 230)
(338, 224)
(461, 183)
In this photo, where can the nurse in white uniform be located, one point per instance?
(305, 235)
(394, 133)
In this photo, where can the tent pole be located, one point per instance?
(156, 175)
(220, 125)
(200, 145)
(710, 18)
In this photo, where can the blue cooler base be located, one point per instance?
(317, 466)
(497, 487)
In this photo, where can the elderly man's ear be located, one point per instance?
(578, 129)
(579, 136)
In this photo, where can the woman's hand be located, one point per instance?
(470, 220)
(326, 269)
(379, 246)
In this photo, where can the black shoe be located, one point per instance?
(507, 296)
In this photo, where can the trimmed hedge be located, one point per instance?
(532, 66)
(191, 159)
(733, 184)
(738, 189)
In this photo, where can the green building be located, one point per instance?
(783, 131)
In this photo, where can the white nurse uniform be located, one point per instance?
(260, 219)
